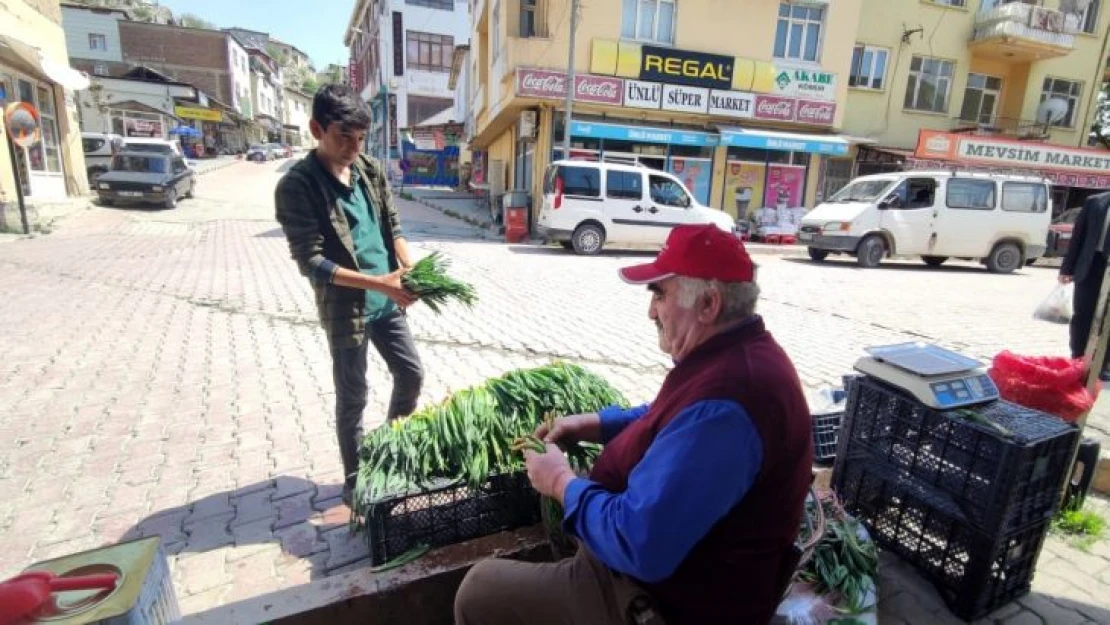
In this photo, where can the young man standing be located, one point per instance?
(344, 232)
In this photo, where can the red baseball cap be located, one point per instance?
(701, 251)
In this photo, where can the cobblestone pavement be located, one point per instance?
(163, 374)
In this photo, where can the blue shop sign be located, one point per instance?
(644, 134)
(785, 143)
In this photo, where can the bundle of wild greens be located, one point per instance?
(844, 563)
(429, 280)
(470, 436)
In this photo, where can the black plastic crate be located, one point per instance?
(975, 572)
(1000, 482)
(826, 431)
(449, 513)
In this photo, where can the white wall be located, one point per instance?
(298, 111)
(156, 95)
(240, 76)
(265, 100)
(455, 23)
(80, 23)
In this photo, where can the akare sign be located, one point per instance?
(683, 67)
(805, 83)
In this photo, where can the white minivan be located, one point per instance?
(588, 204)
(1000, 220)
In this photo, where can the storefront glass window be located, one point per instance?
(757, 179)
(49, 121)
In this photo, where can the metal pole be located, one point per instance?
(16, 154)
(570, 79)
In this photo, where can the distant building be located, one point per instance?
(401, 55)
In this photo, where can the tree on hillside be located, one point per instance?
(190, 20)
(309, 85)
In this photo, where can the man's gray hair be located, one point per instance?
(738, 299)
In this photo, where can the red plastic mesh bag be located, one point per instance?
(1047, 383)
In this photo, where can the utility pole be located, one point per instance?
(570, 79)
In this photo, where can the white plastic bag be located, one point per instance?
(1056, 308)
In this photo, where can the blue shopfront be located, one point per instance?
(761, 167)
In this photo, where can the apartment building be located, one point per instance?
(35, 75)
(981, 84)
(401, 55)
(740, 100)
(92, 38)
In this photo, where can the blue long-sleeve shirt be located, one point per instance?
(698, 467)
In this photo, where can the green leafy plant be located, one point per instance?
(428, 279)
(471, 435)
(843, 563)
(1082, 528)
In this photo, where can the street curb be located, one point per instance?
(1101, 482)
(478, 223)
(220, 166)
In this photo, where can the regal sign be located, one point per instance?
(774, 108)
(552, 85)
(684, 67)
(819, 113)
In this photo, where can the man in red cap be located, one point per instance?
(691, 513)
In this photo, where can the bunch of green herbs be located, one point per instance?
(429, 280)
(470, 436)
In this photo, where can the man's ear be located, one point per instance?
(316, 129)
(710, 305)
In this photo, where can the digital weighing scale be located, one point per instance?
(937, 377)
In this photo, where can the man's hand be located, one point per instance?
(572, 429)
(1064, 279)
(394, 290)
(549, 472)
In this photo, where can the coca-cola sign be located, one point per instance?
(810, 112)
(775, 108)
(548, 84)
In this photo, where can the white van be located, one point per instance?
(999, 220)
(98, 149)
(588, 204)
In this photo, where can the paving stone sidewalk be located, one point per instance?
(166, 376)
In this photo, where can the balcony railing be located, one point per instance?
(1024, 32)
(1004, 126)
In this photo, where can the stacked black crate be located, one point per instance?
(965, 495)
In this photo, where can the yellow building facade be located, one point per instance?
(982, 77)
(741, 100)
(35, 73)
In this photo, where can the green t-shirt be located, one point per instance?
(370, 251)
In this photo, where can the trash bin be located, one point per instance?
(515, 206)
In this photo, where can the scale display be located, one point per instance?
(935, 376)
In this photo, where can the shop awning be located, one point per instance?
(646, 134)
(29, 58)
(832, 145)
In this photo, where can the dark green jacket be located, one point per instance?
(320, 239)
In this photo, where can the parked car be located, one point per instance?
(276, 151)
(98, 149)
(258, 152)
(999, 220)
(1059, 232)
(146, 177)
(287, 150)
(587, 205)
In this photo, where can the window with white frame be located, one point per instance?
(951, 3)
(930, 84)
(446, 5)
(495, 31)
(799, 32)
(527, 18)
(98, 42)
(648, 20)
(1088, 20)
(1066, 90)
(45, 154)
(430, 52)
(868, 67)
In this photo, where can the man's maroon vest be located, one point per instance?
(735, 574)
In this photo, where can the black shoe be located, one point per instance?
(1105, 375)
